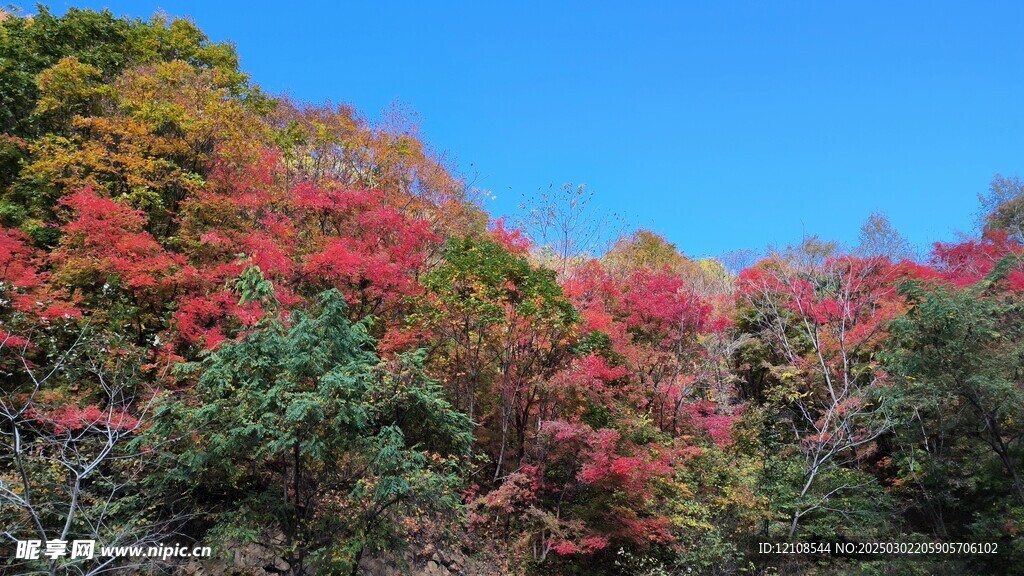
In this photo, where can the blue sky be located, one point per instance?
(722, 125)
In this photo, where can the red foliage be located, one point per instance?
(589, 379)
(966, 263)
(851, 299)
(74, 419)
(579, 466)
(304, 238)
(27, 297)
(105, 241)
(608, 469)
(586, 545)
(201, 318)
(659, 308)
(371, 252)
(24, 284)
(18, 271)
(515, 241)
(709, 418)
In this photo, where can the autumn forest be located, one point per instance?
(292, 334)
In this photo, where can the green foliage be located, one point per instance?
(481, 277)
(99, 44)
(1003, 206)
(29, 46)
(959, 461)
(90, 100)
(301, 426)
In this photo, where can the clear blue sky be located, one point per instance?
(722, 125)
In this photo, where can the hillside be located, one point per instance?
(291, 334)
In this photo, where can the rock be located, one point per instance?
(433, 569)
(280, 566)
(372, 567)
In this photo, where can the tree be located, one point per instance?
(823, 319)
(74, 401)
(509, 324)
(1003, 207)
(99, 40)
(299, 427)
(958, 451)
(72, 113)
(664, 319)
(562, 228)
(648, 250)
(960, 352)
(335, 145)
(151, 148)
(878, 237)
(580, 491)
